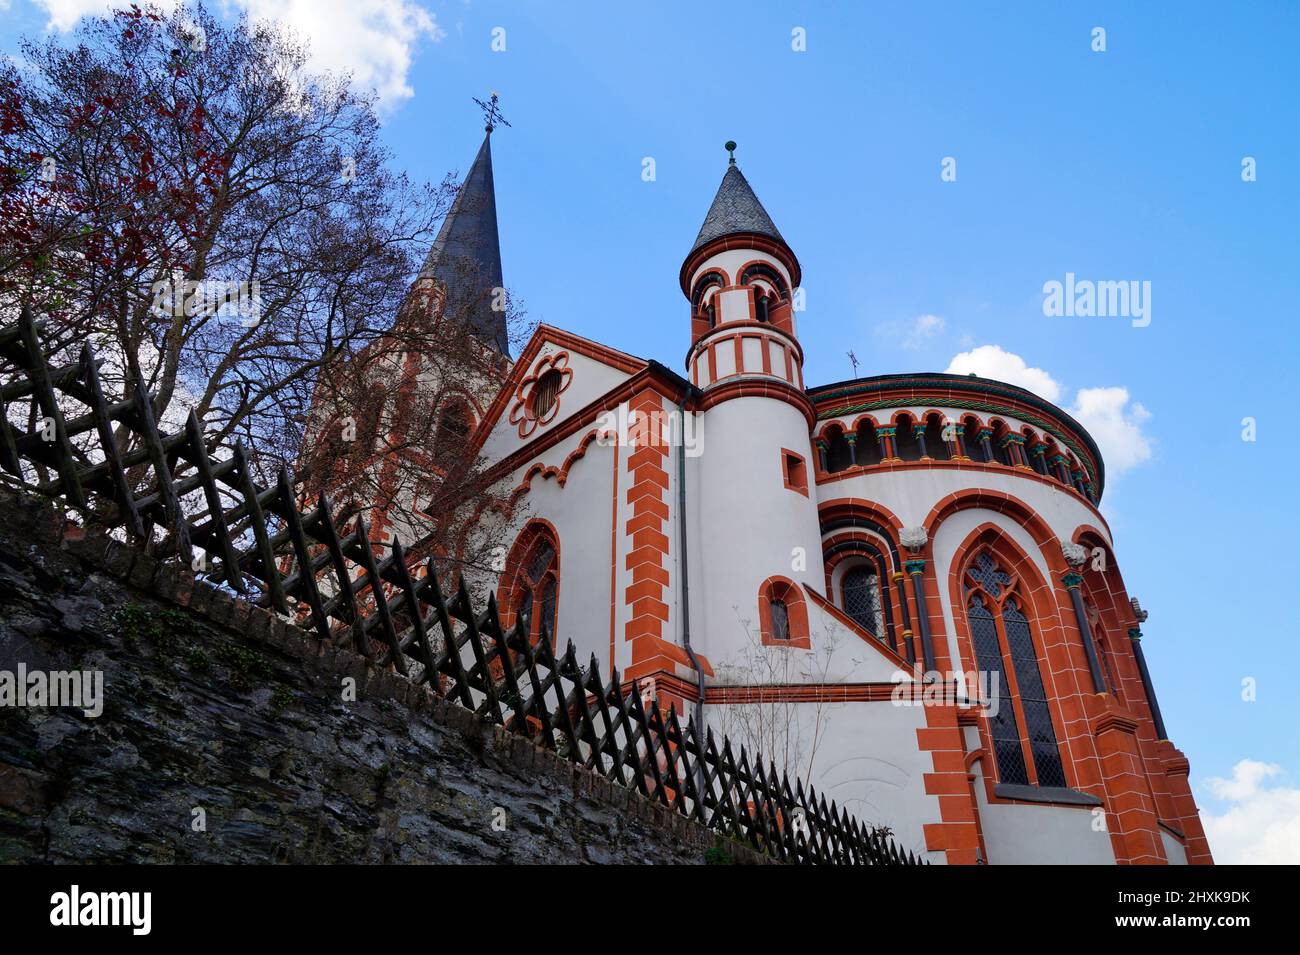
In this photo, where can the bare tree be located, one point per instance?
(765, 720)
(226, 229)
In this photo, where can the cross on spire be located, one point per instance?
(491, 114)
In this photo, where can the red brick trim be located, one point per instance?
(740, 240)
(794, 472)
(842, 618)
(646, 527)
(759, 388)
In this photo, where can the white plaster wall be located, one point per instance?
(1022, 834)
(581, 514)
(750, 522)
(866, 759)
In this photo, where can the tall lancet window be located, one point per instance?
(533, 580)
(1024, 739)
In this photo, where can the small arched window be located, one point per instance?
(861, 599)
(709, 281)
(782, 614)
(909, 449)
(838, 456)
(762, 304)
(868, 447)
(453, 430)
(545, 392)
(970, 437)
(936, 446)
(1003, 642)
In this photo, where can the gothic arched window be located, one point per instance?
(533, 580)
(1024, 739)
(453, 429)
(860, 591)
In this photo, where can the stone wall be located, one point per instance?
(225, 737)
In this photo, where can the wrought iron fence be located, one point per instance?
(109, 460)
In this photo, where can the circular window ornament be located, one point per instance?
(537, 400)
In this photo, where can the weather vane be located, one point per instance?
(490, 112)
(854, 358)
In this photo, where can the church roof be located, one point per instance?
(466, 256)
(735, 209)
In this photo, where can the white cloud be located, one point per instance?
(914, 333)
(374, 40)
(990, 361)
(1261, 826)
(65, 14)
(1115, 424)
(1108, 414)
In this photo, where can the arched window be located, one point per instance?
(782, 614)
(1003, 642)
(970, 436)
(860, 597)
(838, 456)
(453, 430)
(532, 581)
(909, 449)
(868, 444)
(708, 281)
(757, 270)
(762, 304)
(935, 445)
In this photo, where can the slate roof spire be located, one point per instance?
(735, 209)
(466, 257)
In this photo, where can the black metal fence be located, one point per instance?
(110, 461)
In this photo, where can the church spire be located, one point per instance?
(466, 257)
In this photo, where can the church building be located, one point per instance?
(900, 588)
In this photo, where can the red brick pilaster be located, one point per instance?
(1131, 815)
(957, 832)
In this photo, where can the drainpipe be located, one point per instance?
(686, 579)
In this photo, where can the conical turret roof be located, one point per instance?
(736, 209)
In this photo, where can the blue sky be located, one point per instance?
(1123, 164)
